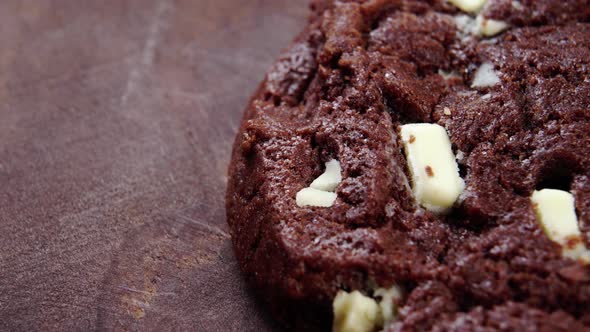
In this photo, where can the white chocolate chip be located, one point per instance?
(470, 6)
(460, 155)
(556, 214)
(387, 303)
(435, 175)
(321, 191)
(330, 179)
(447, 111)
(479, 26)
(485, 76)
(489, 27)
(465, 25)
(578, 252)
(315, 197)
(447, 75)
(355, 312)
(516, 5)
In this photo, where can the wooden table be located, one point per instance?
(116, 124)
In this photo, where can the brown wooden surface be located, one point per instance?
(116, 123)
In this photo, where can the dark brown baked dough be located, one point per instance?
(343, 88)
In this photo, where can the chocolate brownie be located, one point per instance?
(330, 208)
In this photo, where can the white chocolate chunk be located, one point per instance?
(435, 175)
(354, 312)
(321, 191)
(465, 25)
(516, 5)
(447, 75)
(489, 27)
(460, 155)
(330, 179)
(387, 304)
(470, 6)
(479, 26)
(315, 197)
(578, 252)
(556, 214)
(485, 76)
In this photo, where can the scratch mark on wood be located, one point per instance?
(200, 97)
(133, 290)
(210, 228)
(21, 89)
(149, 49)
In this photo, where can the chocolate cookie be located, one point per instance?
(421, 165)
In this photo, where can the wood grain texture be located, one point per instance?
(116, 124)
